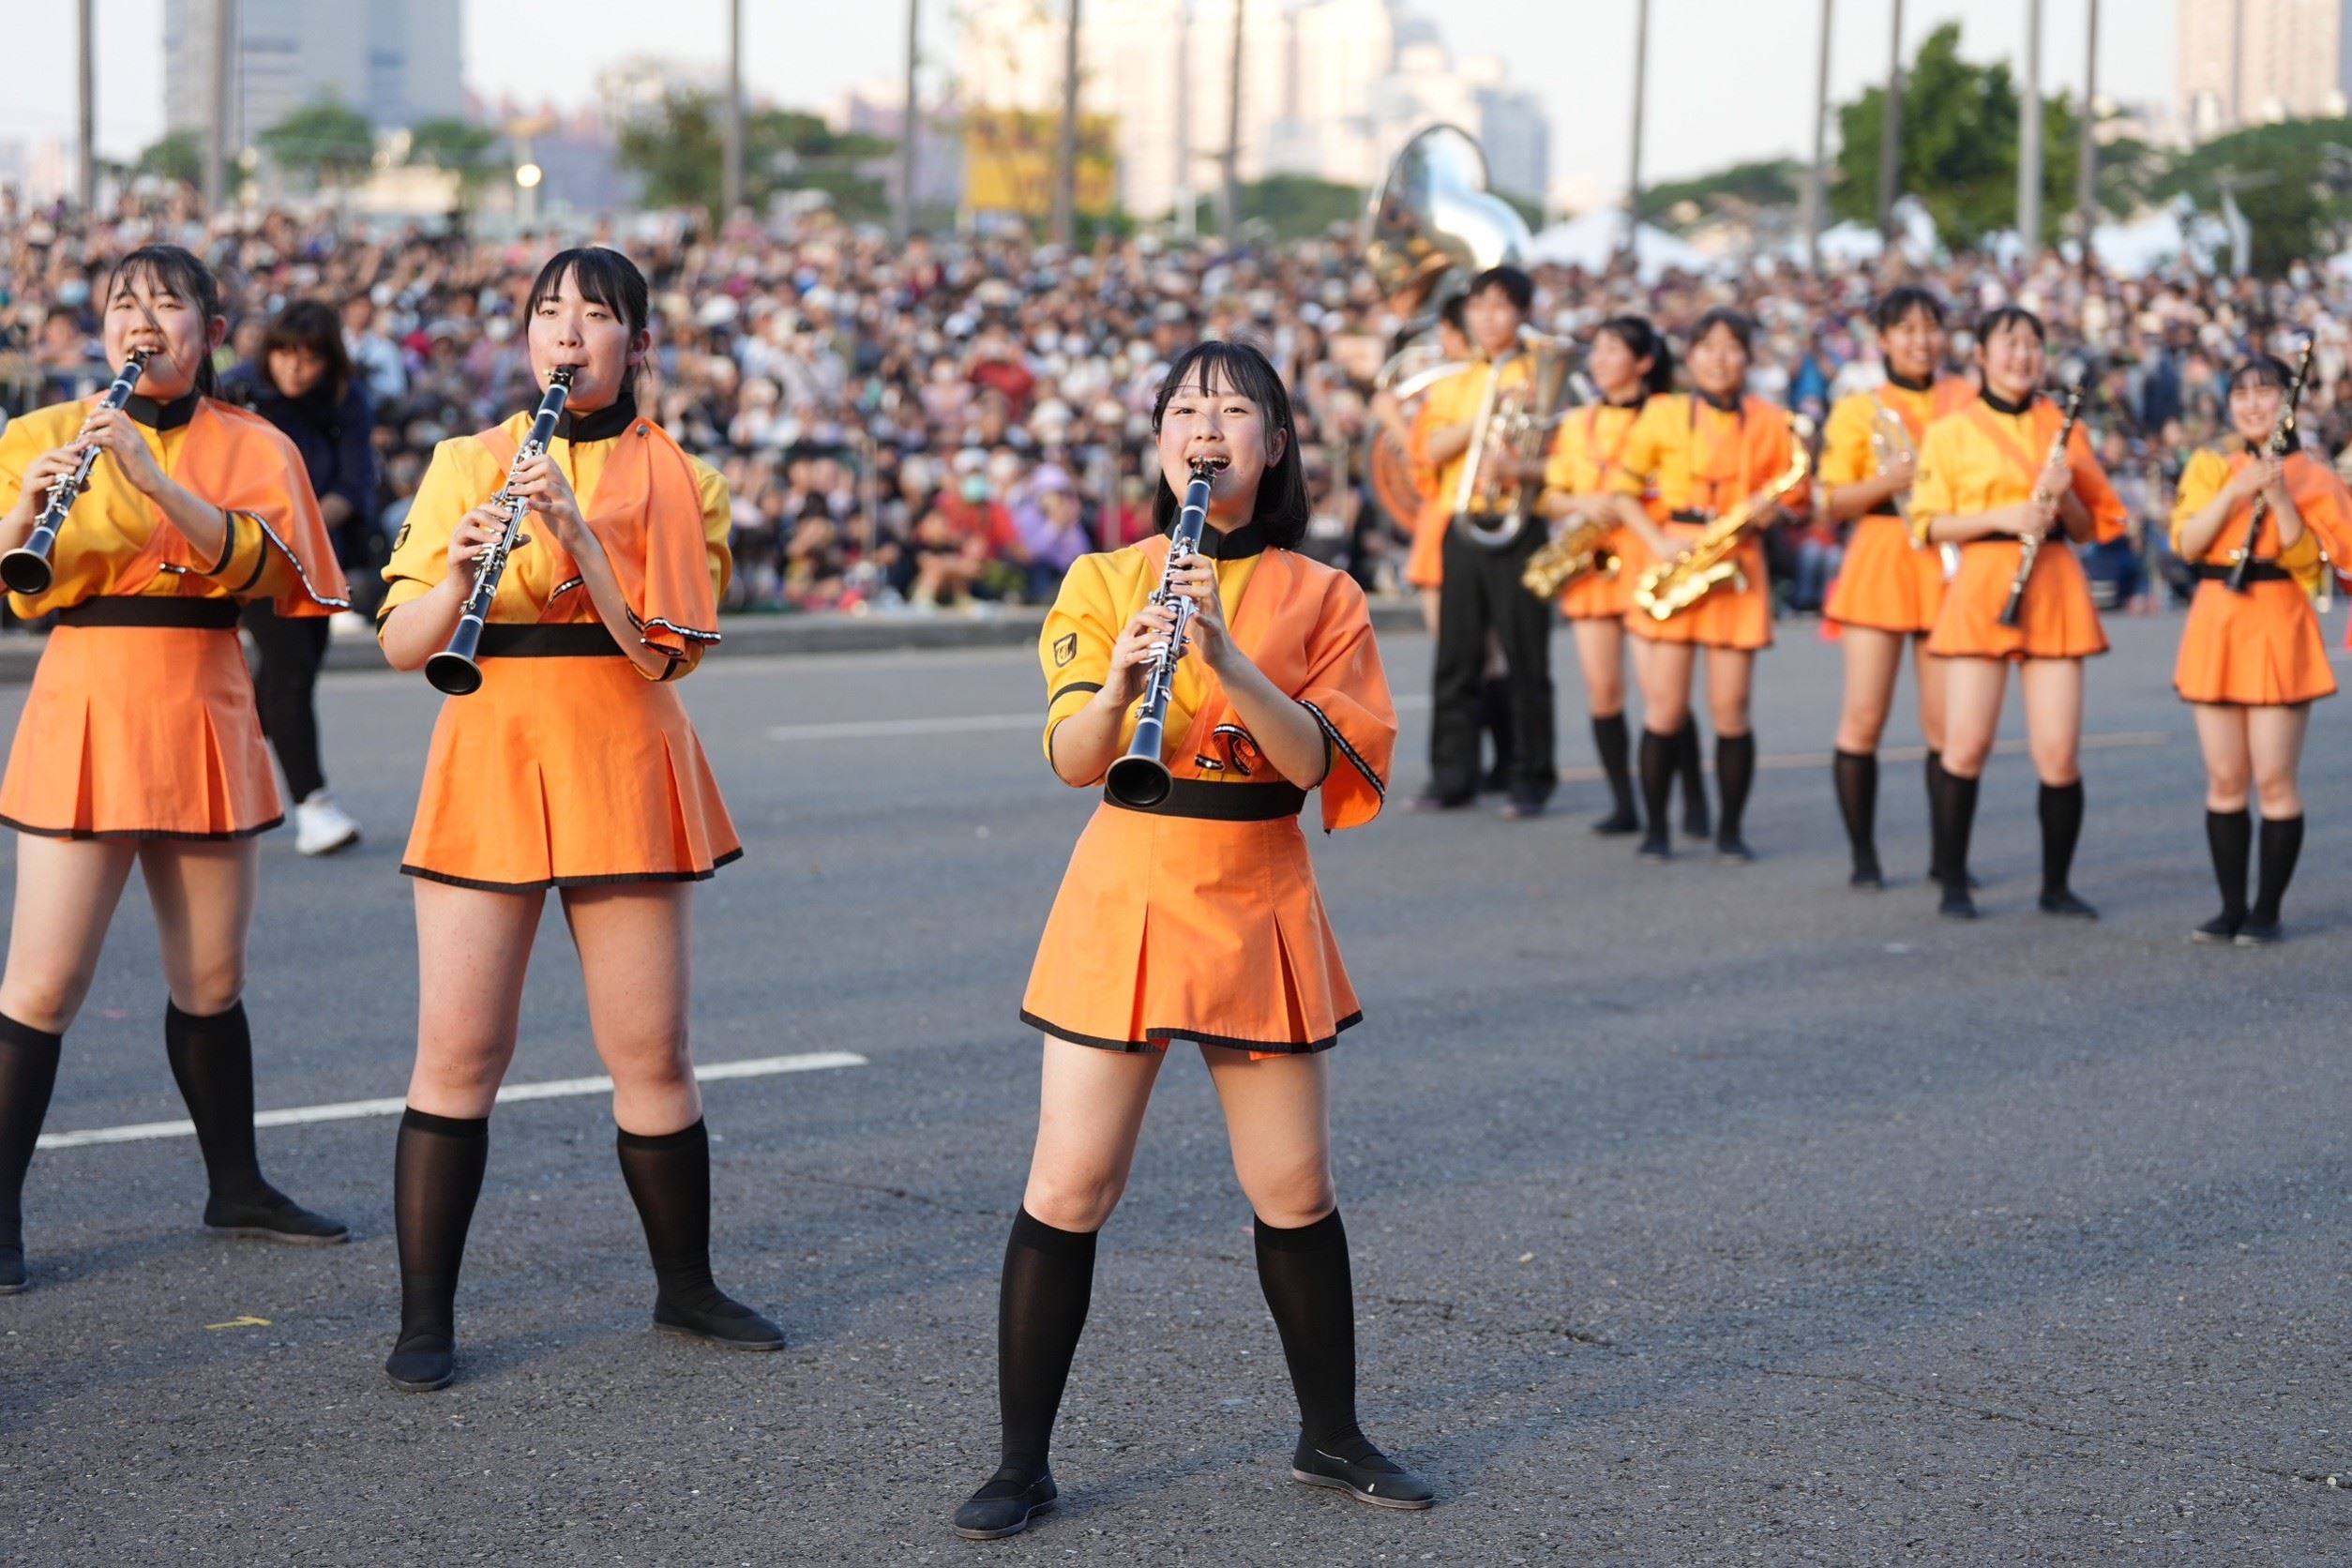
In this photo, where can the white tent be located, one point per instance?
(2159, 239)
(1591, 240)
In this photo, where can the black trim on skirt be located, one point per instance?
(155, 833)
(140, 609)
(1222, 803)
(570, 639)
(616, 879)
(2260, 571)
(1159, 1039)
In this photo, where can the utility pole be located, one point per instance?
(1065, 164)
(86, 183)
(910, 125)
(1817, 185)
(1230, 194)
(1891, 130)
(1642, 94)
(225, 48)
(2030, 140)
(730, 170)
(2087, 165)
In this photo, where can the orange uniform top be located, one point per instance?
(116, 541)
(1702, 459)
(2320, 498)
(1588, 451)
(1850, 445)
(1986, 457)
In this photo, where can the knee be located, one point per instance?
(1077, 1198)
(2280, 796)
(468, 1072)
(1292, 1193)
(654, 1063)
(211, 987)
(44, 1002)
(2056, 765)
(2229, 781)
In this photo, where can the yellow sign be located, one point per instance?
(1009, 159)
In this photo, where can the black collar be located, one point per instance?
(1721, 405)
(161, 416)
(601, 424)
(1924, 383)
(1240, 545)
(2258, 450)
(2002, 405)
(1637, 400)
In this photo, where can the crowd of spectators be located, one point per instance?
(950, 421)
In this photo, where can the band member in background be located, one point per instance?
(1480, 596)
(1890, 586)
(139, 742)
(1988, 476)
(1704, 452)
(1200, 919)
(2252, 663)
(575, 768)
(1629, 364)
(304, 385)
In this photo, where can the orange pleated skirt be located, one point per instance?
(1181, 927)
(2056, 619)
(1885, 583)
(141, 732)
(1425, 565)
(1733, 616)
(568, 773)
(1606, 593)
(2261, 648)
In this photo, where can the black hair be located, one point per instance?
(1896, 305)
(1644, 341)
(2000, 318)
(1737, 323)
(2263, 369)
(311, 326)
(604, 276)
(175, 270)
(1517, 286)
(1454, 313)
(1281, 510)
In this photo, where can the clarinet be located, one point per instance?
(456, 669)
(26, 569)
(1139, 779)
(2283, 440)
(2030, 544)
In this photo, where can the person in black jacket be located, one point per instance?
(302, 383)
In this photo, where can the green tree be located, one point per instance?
(179, 155)
(1777, 182)
(1291, 206)
(1959, 152)
(2292, 180)
(677, 150)
(460, 147)
(327, 138)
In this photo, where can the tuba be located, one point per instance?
(1509, 440)
(1670, 587)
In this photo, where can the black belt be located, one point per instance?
(1687, 514)
(579, 639)
(2257, 571)
(1224, 803)
(129, 610)
(1884, 512)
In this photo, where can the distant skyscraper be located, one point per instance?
(395, 61)
(2249, 61)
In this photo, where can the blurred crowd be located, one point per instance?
(950, 421)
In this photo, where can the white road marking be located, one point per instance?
(955, 724)
(556, 1088)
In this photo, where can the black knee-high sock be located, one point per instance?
(1611, 739)
(212, 1061)
(1735, 773)
(2282, 842)
(28, 1071)
(437, 1171)
(1934, 773)
(1304, 1273)
(2229, 835)
(1686, 761)
(1040, 1312)
(2061, 826)
(1956, 820)
(669, 1177)
(1657, 780)
(1857, 777)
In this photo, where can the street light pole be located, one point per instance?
(910, 125)
(2086, 166)
(1066, 163)
(1890, 129)
(86, 74)
(225, 44)
(1641, 94)
(1229, 195)
(1817, 185)
(2030, 140)
(730, 173)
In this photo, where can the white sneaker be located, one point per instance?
(321, 828)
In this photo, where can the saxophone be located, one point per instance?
(1579, 547)
(1670, 587)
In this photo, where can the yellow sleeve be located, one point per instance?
(1645, 449)
(461, 477)
(20, 444)
(1074, 647)
(1933, 491)
(2203, 479)
(1560, 467)
(1847, 457)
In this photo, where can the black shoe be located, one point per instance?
(1934, 874)
(422, 1362)
(12, 1276)
(1867, 878)
(1697, 822)
(1618, 824)
(1004, 1506)
(1365, 1474)
(1655, 846)
(2257, 933)
(1733, 850)
(1521, 808)
(2220, 928)
(1495, 783)
(1957, 904)
(1430, 800)
(719, 1319)
(274, 1217)
(2063, 904)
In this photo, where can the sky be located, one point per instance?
(1729, 79)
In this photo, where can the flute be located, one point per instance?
(27, 569)
(1139, 779)
(455, 670)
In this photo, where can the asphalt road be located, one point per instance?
(1702, 1215)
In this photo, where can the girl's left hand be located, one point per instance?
(1196, 579)
(116, 433)
(544, 489)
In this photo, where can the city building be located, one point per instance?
(397, 62)
(2252, 62)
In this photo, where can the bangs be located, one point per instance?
(165, 269)
(602, 277)
(1219, 366)
(2261, 371)
(1996, 322)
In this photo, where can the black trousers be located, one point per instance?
(1481, 597)
(291, 650)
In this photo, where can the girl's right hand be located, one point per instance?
(2256, 477)
(1147, 634)
(43, 472)
(472, 539)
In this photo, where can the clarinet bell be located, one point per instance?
(26, 572)
(453, 673)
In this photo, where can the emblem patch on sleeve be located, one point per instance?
(1064, 649)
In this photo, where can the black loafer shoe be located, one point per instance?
(274, 1217)
(1370, 1476)
(2220, 928)
(1656, 847)
(1520, 809)
(1004, 1506)
(12, 1276)
(1429, 800)
(1617, 825)
(1734, 851)
(421, 1363)
(1957, 904)
(2064, 905)
(1936, 875)
(2253, 934)
(722, 1320)
(1867, 878)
